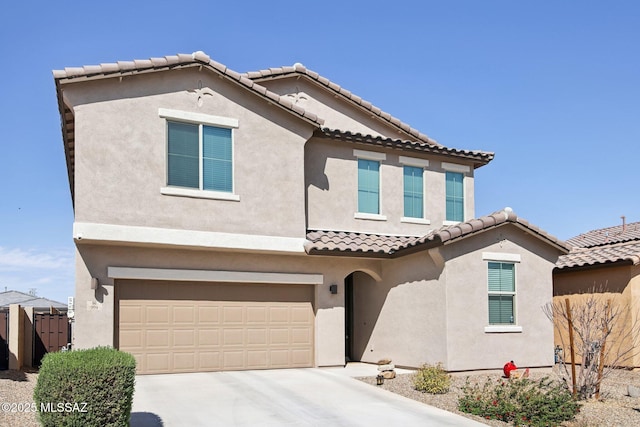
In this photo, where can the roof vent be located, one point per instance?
(624, 223)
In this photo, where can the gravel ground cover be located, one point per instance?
(615, 409)
(16, 399)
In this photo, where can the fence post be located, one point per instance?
(605, 332)
(571, 347)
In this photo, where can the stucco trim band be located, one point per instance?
(152, 236)
(503, 329)
(498, 256)
(213, 276)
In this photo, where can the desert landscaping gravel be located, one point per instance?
(16, 399)
(615, 408)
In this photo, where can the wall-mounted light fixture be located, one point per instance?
(333, 289)
(94, 283)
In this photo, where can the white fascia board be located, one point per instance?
(455, 167)
(205, 119)
(168, 274)
(84, 232)
(497, 256)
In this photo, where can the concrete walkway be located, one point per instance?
(287, 397)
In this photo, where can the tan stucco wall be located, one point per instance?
(336, 112)
(331, 179)
(402, 317)
(619, 284)
(120, 152)
(95, 323)
(468, 345)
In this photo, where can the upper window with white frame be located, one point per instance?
(199, 155)
(413, 178)
(369, 184)
(454, 189)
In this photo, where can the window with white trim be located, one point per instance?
(454, 196)
(413, 178)
(502, 293)
(199, 156)
(368, 186)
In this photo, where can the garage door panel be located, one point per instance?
(279, 358)
(300, 315)
(184, 338)
(209, 337)
(209, 360)
(184, 315)
(256, 337)
(256, 314)
(209, 314)
(232, 314)
(257, 359)
(157, 362)
(279, 336)
(157, 314)
(300, 357)
(279, 314)
(131, 339)
(231, 337)
(184, 362)
(156, 338)
(233, 360)
(191, 335)
(300, 336)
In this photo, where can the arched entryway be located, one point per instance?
(362, 305)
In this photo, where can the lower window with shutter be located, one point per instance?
(502, 293)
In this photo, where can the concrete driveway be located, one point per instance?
(288, 397)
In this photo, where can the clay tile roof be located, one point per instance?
(322, 242)
(300, 70)
(181, 60)
(480, 158)
(607, 236)
(581, 257)
(604, 246)
(363, 244)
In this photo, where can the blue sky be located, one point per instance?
(552, 87)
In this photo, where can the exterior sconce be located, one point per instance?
(333, 289)
(379, 379)
(94, 283)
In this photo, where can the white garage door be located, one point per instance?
(197, 327)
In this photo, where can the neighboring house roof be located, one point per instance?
(597, 255)
(480, 158)
(607, 236)
(300, 70)
(323, 242)
(620, 243)
(16, 297)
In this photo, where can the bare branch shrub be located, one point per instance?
(603, 327)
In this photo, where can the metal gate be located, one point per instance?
(51, 333)
(4, 340)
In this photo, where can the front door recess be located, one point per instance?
(348, 318)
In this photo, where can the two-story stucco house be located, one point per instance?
(274, 219)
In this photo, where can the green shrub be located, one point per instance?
(86, 388)
(520, 402)
(432, 379)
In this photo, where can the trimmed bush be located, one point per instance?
(432, 379)
(522, 402)
(86, 388)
